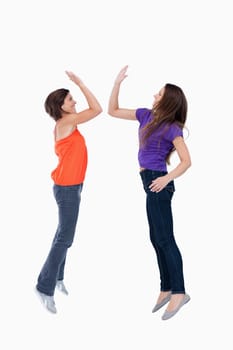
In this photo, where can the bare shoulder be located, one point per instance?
(63, 128)
(68, 119)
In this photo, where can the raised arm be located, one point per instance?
(113, 105)
(94, 106)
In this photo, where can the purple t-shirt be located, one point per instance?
(153, 154)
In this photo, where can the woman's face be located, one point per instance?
(158, 96)
(69, 104)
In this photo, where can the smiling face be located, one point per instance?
(69, 104)
(158, 96)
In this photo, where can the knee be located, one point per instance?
(64, 243)
(68, 244)
(166, 243)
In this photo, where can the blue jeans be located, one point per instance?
(68, 201)
(159, 215)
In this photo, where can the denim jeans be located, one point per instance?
(68, 201)
(159, 215)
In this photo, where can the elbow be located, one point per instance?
(98, 110)
(188, 163)
(112, 112)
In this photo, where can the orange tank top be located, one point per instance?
(72, 160)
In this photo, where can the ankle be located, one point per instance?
(165, 293)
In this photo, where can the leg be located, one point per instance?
(62, 266)
(60, 275)
(160, 221)
(60, 284)
(161, 233)
(165, 284)
(68, 200)
(159, 207)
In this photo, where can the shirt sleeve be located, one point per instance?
(141, 113)
(173, 132)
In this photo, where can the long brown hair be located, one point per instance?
(54, 102)
(172, 108)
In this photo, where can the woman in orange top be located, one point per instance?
(68, 180)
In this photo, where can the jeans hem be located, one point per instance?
(165, 290)
(44, 292)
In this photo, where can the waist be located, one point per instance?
(153, 172)
(161, 172)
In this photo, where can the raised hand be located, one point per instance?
(121, 75)
(74, 77)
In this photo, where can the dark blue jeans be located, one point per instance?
(159, 214)
(68, 201)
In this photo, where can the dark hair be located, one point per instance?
(54, 102)
(172, 108)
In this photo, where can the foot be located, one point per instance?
(175, 304)
(47, 301)
(175, 301)
(60, 286)
(163, 299)
(162, 296)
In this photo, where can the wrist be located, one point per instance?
(80, 83)
(169, 177)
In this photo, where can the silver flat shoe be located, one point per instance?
(60, 286)
(169, 314)
(47, 301)
(162, 303)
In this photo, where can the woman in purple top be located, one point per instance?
(160, 133)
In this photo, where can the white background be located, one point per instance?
(111, 270)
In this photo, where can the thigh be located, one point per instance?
(67, 196)
(68, 201)
(160, 212)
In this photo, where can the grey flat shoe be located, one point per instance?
(169, 314)
(162, 303)
(60, 286)
(47, 301)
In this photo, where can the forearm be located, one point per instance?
(90, 98)
(92, 101)
(179, 170)
(113, 105)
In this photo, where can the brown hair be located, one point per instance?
(172, 108)
(54, 102)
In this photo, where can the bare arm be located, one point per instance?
(94, 106)
(113, 106)
(185, 162)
